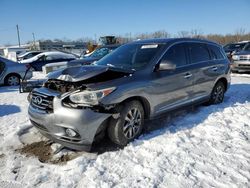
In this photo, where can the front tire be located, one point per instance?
(12, 80)
(217, 95)
(129, 125)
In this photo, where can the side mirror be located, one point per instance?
(166, 65)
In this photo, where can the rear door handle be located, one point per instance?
(188, 75)
(214, 68)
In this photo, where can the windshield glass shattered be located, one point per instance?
(131, 56)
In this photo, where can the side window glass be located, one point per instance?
(198, 52)
(48, 58)
(176, 55)
(1, 67)
(41, 58)
(216, 50)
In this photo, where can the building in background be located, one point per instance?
(76, 48)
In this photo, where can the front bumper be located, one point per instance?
(240, 66)
(84, 122)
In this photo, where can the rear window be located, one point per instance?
(198, 52)
(215, 52)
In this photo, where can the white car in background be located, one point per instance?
(11, 72)
(27, 55)
(38, 61)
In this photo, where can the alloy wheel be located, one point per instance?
(132, 123)
(13, 81)
(218, 94)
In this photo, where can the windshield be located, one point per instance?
(131, 56)
(237, 46)
(101, 52)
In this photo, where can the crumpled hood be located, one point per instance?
(75, 74)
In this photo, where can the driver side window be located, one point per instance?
(41, 58)
(176, 55)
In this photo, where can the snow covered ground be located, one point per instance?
(206, 147)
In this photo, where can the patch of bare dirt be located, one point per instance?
(2, 155)
(43, 151)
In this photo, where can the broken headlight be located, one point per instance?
(89, 98)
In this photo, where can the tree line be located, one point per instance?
(237, 36)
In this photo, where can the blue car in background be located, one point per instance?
(94, 56)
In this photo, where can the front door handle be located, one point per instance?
(188, 75)
(214, 68)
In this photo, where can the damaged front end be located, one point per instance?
(67, 110)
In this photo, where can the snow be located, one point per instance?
(208, 146)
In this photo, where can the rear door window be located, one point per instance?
(198, 52)
(176, 55)
(215, 52)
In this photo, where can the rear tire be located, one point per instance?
(12, 80)
(217, 95)
(129, 125)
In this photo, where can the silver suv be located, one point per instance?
(137, 81)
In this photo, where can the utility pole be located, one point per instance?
(18, 36)
(34, 40)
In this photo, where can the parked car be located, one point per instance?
(27, 55)
(48, 57)
(231, 48)
(11, 72)
(140, 80)
(94, 56)
(241, 60)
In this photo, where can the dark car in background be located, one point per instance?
(38, 61)
(27, 55)
(241, 60)
(139, 80)
(231, 48)
(94, 56)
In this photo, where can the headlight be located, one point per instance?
(236, 57)
(87, 98)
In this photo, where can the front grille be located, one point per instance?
(244, 57)
(244, 65)
(42, 102)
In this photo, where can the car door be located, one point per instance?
(37, 65)
(172, 89)
(205, 70)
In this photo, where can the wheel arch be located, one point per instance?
(224, 81)
(9, 74)
(144, 102)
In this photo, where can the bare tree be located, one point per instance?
(183, 34)
(239, 33)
